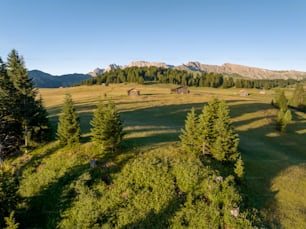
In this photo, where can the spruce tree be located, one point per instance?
(68, 130)
(282, 101)
(206, 124)
(25, 92)
(216, 136)
(225, 144)
(10, 127)
(189, 134)
(107, 127)
(284, 114)
(26, 108)
(283, 119)
(298, 96)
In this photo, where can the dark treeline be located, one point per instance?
(23, 118)
(181, 77)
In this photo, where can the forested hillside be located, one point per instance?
(45, 80)
(167, 75)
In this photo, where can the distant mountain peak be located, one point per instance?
(112, 67)
(226, 68)
(148, 64)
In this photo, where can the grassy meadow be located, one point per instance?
(275, 163)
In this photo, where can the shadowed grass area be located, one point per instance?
(155, 118)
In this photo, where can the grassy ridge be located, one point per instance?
(275, 163)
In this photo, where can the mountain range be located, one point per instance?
(46, 80)
(42, 79)
(229, 69)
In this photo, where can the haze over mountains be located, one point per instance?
(46, 80)
(42, 79)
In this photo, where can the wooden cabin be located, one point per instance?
(180, 90)
(133, 92)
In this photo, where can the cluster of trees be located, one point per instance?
(264, 83)
(181, 77)
(211, 134)
(23, 118)
(155, 191)
(107, 128)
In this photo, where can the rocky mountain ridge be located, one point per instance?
(227, 68)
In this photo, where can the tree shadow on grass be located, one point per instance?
(265, 156)
(43, 210)
(266, 153)
(159, 219)
(36, 159)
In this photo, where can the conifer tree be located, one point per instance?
(225, 144)
(68, 130)
(239, 168)
(206, 125)
(21, 100)
(282, 101)
(284, 114)
(97, 123)
(189, 134)
(298, 96)
(217, 137)
(25, 93)
(283, 119)
(107, 126)
(10, 128)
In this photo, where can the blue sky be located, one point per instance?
(63, 36)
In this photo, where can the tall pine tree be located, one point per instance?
(216, 136)
(189, 134)
(107, 126)
(19, 95)
(68, 129)
(25, 93)
(284, 115)
(10, 128)
(225, 143)
(206, 125)
(298, 97)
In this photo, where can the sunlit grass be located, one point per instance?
(154, 119)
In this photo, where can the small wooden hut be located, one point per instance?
(133, 92)
(180, 90)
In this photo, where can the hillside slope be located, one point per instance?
(195, 66)
(45, 80)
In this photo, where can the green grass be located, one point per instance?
(274, 162)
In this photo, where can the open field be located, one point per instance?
(275, 163)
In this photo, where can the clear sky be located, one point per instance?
(67, 36)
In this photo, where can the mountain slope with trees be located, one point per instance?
(182, 77)
(226, 69)
(45, 80)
